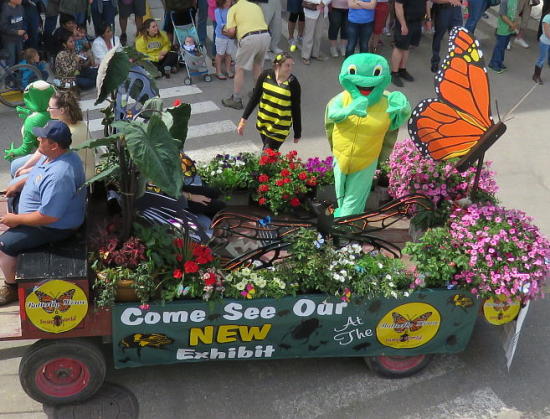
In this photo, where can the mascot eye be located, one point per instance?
(352, 69)
(377, 70)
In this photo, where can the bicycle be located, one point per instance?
(11, 82)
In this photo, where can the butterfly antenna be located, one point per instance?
(507, 117)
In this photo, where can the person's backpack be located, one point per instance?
(179, 5)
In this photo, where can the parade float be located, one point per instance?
(276, 275)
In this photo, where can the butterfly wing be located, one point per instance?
(401, 324)
(49, 302)
(64, 300)
(416, 324)
(451, 125)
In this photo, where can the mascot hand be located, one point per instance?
(359, 106)
(9, 153)
(399, 109)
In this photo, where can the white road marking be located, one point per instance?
(358, 387)
(196, 108)
(207, 153)
(211, 128)
(88, 105)
(481, 403)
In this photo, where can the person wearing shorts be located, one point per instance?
(51, 203)
(380, 16)
(224, 46)
(337, 23)
(409, 15)
(296, 14)
(125, 9)
(245, 20)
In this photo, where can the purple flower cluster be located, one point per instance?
(507, 255)
(322, 169)
(411, 172)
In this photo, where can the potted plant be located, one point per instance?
(322, 170)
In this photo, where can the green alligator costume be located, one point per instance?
(361, 125)
(34, 114)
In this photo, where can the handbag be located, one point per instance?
(309, 5)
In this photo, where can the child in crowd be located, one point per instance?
(31, 56)
(544, 48)
(11, 30)
(225, 46)
(508, 24)
(81, 42)
(190, 46)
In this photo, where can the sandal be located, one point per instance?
(220, 76)
(306, 61)
(230, 75)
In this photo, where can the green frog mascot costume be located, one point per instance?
(361, 124)
(34, 114)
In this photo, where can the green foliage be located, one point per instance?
(230, 173)
(113, 71)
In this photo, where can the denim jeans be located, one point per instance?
(497, 60)
(50, 24)
(106, 17)
(544, 51)
(202, 5)
(32, 26)
(475, 11)
(13, 50)
(87, 78)
(445, 18)
(337, 22)
(358, 33)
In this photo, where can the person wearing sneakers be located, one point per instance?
(544, 48)
(315, 12)
(524, 12)
(51, 202)
(245, 20)
(338, 22)
(360, 25)
(295, 14)
(508, 24)
(409, 15)
(446, 14)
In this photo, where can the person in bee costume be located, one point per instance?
(361, 124)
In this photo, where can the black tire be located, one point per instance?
(11, 87)
(57, 372)
(187, 81)
(398, 366)
(207, 78)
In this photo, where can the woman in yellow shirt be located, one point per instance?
(155, 44)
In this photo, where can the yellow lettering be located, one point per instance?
(227, 333)
(254, 332)
(205, 335)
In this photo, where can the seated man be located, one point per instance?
(51, 205)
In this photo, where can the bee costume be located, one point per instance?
(361, 124)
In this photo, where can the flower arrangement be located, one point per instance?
(486, 249)
(321, 169)
(283, 181)
(411, 172)
(248, 283)
(230, 172)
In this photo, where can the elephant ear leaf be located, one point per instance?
(176, 119)
(113, 71)
(155, 153)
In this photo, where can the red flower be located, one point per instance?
(312, 181)
(294, 202)
(279, 182)
(292, 166)
(285, 172)
(262, 201)
(176, 102)
(286, 180)
(190, 267)
(179, 258)
(264, 160)
(302, 176)
(178, 243)
(286, 196)
(263, 178)
(177, 273)
(209, 279)
(263, 188)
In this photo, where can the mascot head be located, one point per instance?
(37, 95)
(365, 75)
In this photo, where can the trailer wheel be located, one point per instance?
(187, 81)
(57, 372)
(397, 366)
(207, 78)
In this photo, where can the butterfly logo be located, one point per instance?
(55, 304)
(458, 123)
(401, 324)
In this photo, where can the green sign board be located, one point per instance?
(431, 321)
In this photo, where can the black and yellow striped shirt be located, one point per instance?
(279, 106)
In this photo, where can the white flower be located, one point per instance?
(406, 294)
(219, 171)
(260, 282)
(240, 286)
(388, 276)
(380, 265)
(394, 294)
(391, 284)
(213, 173)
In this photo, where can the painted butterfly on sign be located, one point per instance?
(401, 323)
(458, 123)
(55, 304)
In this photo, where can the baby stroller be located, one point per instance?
(196, 62)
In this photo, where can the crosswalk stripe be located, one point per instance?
(481, 403)
(360, 386)
(169, 92)
(196, 108)
(210, 128)
(207, 153)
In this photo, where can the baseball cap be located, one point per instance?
(56, 131)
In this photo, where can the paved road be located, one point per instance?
(473, 384)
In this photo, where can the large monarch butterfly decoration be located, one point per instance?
(458, 123)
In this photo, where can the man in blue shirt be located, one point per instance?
(51, 205)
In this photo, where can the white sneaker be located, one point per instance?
(333, 52)
(509, 46)
(521, 42)
(277, 51)
(300, 40)
(343, 50)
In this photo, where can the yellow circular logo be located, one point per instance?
(56, 306)
(408, 326)
(498, 310)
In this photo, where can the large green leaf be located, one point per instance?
(111, 171)
(176, 119)
(112, 72)
(137, 58)
(155, 153)
(93, 142)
